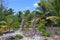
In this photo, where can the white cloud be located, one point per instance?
(35, 5)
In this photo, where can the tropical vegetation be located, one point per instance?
(47, 14)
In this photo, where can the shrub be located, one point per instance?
(56, 33)
(19, 36)
(42, 29)
(41, 26)
(15, 26)
(46, 34)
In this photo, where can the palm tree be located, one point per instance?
(42, 11)
(49, 7)
(9, 21)
(24, 19)
(55, 8)
(12, 22)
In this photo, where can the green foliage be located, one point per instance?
(41, 26)
(9, 19)
(15, 25)
(12, 21)
(29, 17)
(27, 12)
(42, 29)
(3, 23)
(19, 36)
(19, 15)
(27, 24)
(10, 11)
(3, 26)
(45, 33)
(56, 33)
(51, 8)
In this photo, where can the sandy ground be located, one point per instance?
(54, 37)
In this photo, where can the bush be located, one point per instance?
(56, 33)
(19, 36)
(15, 26)
(41, 26)
(42, 29)
(46, 34)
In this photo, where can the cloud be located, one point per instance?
(35, 4)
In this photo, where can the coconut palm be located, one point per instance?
(9, 21)
(24, 19)
(49, 9)
(55, 8)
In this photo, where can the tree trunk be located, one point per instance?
(23, 24)
(33, 24)
(9, 29)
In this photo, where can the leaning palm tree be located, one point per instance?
(23, 23)
(33, 23)
(24, 19)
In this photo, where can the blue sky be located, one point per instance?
(22, 4)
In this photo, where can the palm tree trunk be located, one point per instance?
(9, 29)
(23, 24)
(33, 24)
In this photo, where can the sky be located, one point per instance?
(18, 5)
